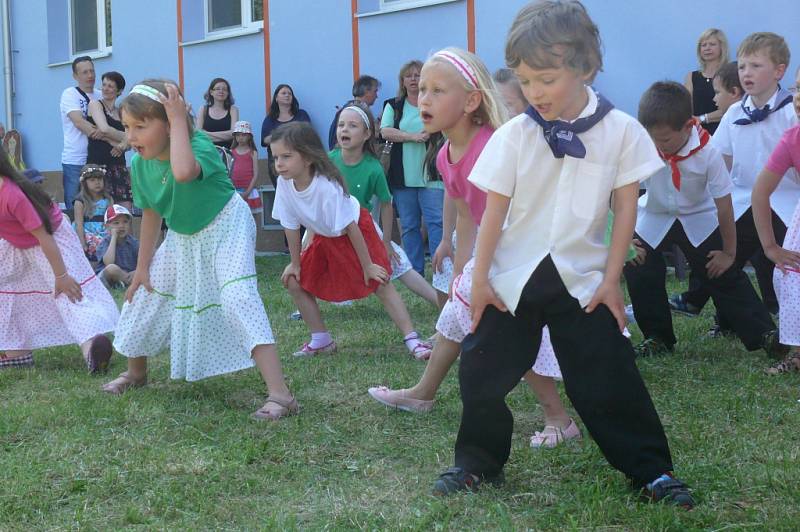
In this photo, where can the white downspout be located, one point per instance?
(7, 70)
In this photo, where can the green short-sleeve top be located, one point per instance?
(364, 179)
(186, 207)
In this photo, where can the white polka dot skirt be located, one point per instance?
(401, 264)
(787, 288)
(205, 305)
(441, 279)
(454, 323)
(30, 317)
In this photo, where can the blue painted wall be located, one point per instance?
(311, 50)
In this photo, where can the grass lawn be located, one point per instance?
(176, 455)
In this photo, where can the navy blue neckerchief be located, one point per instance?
(782, 99)
(562, 137)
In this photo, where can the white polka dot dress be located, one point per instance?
(787, 288)
(401, 264)
(30, 317)
(205, 305)
(454, 323)
(441, 279)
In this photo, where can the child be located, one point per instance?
(746, 135)
(244, 172)
(786, 256)
(197, 293)
(459, 99)
(49, 295)
(541, 260)
(344, 257)
(356, 159)
(119, 251)
(688, 204)
(91, 203)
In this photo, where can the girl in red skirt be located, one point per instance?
(342, 257)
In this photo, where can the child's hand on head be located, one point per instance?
(140, 278)
(375, 273)
(290, 271)
(719, 262)
(609, 293)
(69, 287)
(483, 295)
(173, 103)
(783, 258)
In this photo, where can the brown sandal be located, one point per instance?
(288, 408)
(123, 383)
(789, 364)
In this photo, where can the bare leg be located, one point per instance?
(394, 307)
(135, 376)
(445, 352)
(308, 307)
(266, 358)
(112, 274)
(417, 284)
(547, 394)
(441, 299)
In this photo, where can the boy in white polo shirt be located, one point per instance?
(746, 136)
(688, 204)
(550, 175)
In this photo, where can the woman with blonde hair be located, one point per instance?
(712, 53)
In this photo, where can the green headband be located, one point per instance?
(148, 91)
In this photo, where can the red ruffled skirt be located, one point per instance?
(329, 267)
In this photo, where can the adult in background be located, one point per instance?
(218, 114)
(416, 195)
(75, 125)
(365, 90)
(284, 109)
(712, 53)
(110, 151)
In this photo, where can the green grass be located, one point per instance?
(179, 455)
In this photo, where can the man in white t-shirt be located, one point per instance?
(77, 129)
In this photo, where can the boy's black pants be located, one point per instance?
(748, 247)
(734, 296)
(600, 376)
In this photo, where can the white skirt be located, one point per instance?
(30, 317)
(205, 305)
(400, 265)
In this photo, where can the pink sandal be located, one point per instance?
(308, 351)
(552, 436)
(397, 399)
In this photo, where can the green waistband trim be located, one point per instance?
(212, 305)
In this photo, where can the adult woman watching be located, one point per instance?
(283, 109)
(416, 195)
(109, 150)
(218, 114)
(712, 53)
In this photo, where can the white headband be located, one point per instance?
(464, 68)
(148, 91)
(363, 115)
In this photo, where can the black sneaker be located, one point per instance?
(679, 305)
(669, 490)
(652, 347)
(456, 479)
(771, 344)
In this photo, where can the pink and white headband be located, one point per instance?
(464, 68)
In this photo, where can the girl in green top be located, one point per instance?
(197, 293)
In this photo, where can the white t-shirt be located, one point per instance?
(704, 178)
(559, 207)
(75, 142)
(322, 207)
(750, 146)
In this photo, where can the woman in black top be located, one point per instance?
(218, 114)
(712, 53)
(109, 151)
(284, 109)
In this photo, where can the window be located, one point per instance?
(90, 26)
(227, 15)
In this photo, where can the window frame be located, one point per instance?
(103, 48)
(246, 25)
(388, 6)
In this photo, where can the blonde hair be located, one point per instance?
(719, 35)
(140, 106)
(401, 88)
(491, 110)
(778, 51)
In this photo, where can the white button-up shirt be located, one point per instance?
(750, 146)
(704, 178)
(559, 207)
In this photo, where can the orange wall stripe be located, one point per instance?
(180, 40)
(267, 56)
(471, 25)
(354, 24)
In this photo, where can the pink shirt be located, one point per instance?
(242, 172)
(455, 175)
(787, 153)
(18, 217)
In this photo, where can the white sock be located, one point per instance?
(412, 341)
(320, 339)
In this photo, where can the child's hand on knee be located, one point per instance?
(609, 294)
(375, 273)
(290, 271)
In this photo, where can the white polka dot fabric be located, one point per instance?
(787, 288)
(30, 317)
(205, 305)
(400, 265)
(441, 279)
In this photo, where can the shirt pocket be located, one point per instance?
(591, 195)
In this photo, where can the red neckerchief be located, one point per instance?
(674, 159)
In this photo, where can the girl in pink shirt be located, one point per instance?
(459, 98)
(49, 294)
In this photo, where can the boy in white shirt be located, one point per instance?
(688, 204)
(541, 260)
(746, 136)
